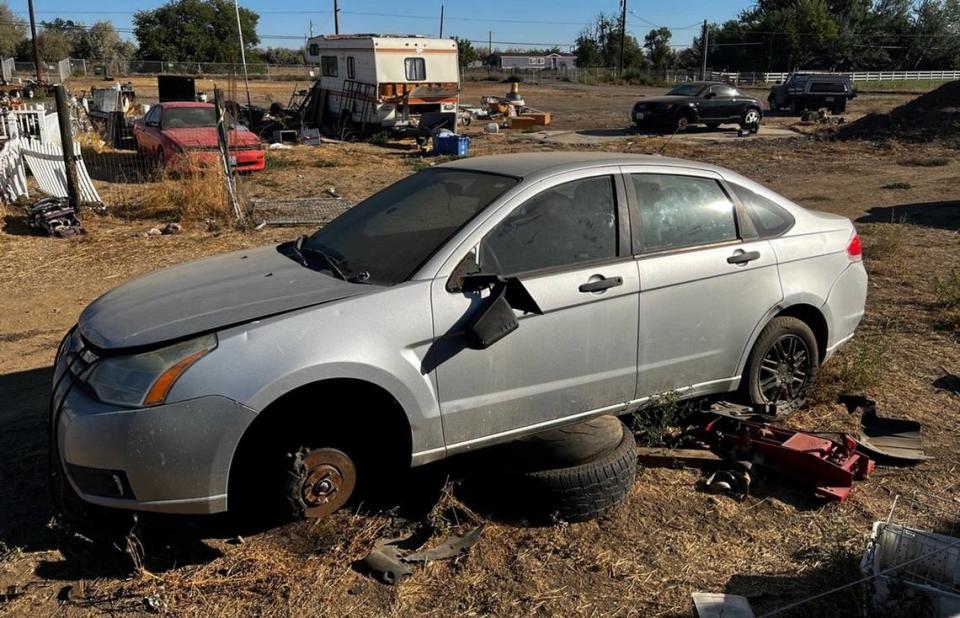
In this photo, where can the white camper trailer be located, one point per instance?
(371, 82)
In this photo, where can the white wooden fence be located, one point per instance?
(46, 164)
(857, 76)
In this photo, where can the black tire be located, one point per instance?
(567, 446)
(839, 108)
(797, 107)
(789, 397)
(772, 103)
(580, 492)
(751, 118)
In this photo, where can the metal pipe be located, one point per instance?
(66, 140)
(441, 21)
(336, 17)
(243, 60)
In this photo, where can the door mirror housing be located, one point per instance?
(152, 123)
(709, 95)
(495, 319)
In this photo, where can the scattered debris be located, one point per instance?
(390, 563)
(54, 217)
(735, 481)
(889, 438)
(716, 605)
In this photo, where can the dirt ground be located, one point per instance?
(671, 538)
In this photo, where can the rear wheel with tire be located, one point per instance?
(774, 105)
(750, 118)
(782, 365)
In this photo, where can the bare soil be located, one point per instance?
(671, 538)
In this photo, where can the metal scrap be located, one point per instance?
(717, 605)
(55, 217)
(890, 438)
(390, 562)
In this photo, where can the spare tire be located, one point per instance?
(578, 491)
(566, 446)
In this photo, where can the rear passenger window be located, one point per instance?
(768, 217)
(682, 211)
(568, 224)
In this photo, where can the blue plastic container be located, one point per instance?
(452, 144)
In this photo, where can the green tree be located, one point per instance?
(466, 54)
(101, 42)
(195, 31)
(657, 44)
(12, 31)
(598, 45)
(282, 55)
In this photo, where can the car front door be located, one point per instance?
(149, 139)
(706, 281)
(567, 240)
(710, 106)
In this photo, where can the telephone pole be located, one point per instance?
(441, 21)
(623, 33)
(704, 44)
(36, 46)
(336, 17)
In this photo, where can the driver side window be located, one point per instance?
(154, 115)
(571, 223)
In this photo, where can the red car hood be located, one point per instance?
(207, 137)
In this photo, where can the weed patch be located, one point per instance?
(898, 186)
(664, 420)
(884, 241)
(276, 162)
(924, 162)
(948, 290)
(863, 363)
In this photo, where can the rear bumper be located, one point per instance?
(172, 458)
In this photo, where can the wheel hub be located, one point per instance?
(784, 370)
(325, 480)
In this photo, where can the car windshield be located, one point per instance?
(686, 90)
(385, 238)
(189, 117)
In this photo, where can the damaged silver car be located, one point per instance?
(466, 305)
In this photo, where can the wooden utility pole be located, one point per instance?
(66, 140)
(36, 45)
(705, 45)
(623, 34)
(336, 17)
(441, 21)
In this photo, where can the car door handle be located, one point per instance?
(742, 257)
(601, 284)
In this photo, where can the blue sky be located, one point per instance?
(512, 21)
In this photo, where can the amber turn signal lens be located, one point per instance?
(163, 384)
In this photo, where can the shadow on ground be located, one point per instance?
(943, 215)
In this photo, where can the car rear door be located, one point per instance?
(567, 239)
(706, 280)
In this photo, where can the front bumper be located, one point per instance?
(245, 160)
(173, 458)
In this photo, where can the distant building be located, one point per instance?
(535, 62)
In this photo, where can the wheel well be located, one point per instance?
(813, 318)
(356, 412)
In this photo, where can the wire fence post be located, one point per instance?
(224, 144)
(66, 141)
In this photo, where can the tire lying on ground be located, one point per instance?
(574, 474)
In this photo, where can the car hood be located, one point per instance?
(208, 295)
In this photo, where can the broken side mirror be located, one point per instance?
(492, 322)
(495, 318)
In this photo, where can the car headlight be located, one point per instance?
(146, 379)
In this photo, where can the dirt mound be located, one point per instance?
(932, 116)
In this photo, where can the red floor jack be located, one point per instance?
(831, 467)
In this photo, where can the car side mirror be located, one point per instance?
(709, 95)
(152, 123)
(495, 318)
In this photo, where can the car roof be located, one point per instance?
(172, 104)
(530, 164)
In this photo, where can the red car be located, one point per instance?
(172, 130)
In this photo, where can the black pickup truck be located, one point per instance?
(813, 91)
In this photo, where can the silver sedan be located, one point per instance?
(469, 304)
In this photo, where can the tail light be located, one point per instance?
(855, 248)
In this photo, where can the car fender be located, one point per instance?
(799, 298)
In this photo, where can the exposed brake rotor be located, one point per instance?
(323, 481)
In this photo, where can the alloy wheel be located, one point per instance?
(785, 370)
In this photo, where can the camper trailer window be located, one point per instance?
(351, 70)
(416, 69)
(328, 65)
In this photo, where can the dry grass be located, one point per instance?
(189, 192)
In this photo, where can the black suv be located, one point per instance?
(708, 103)
(813, 91)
